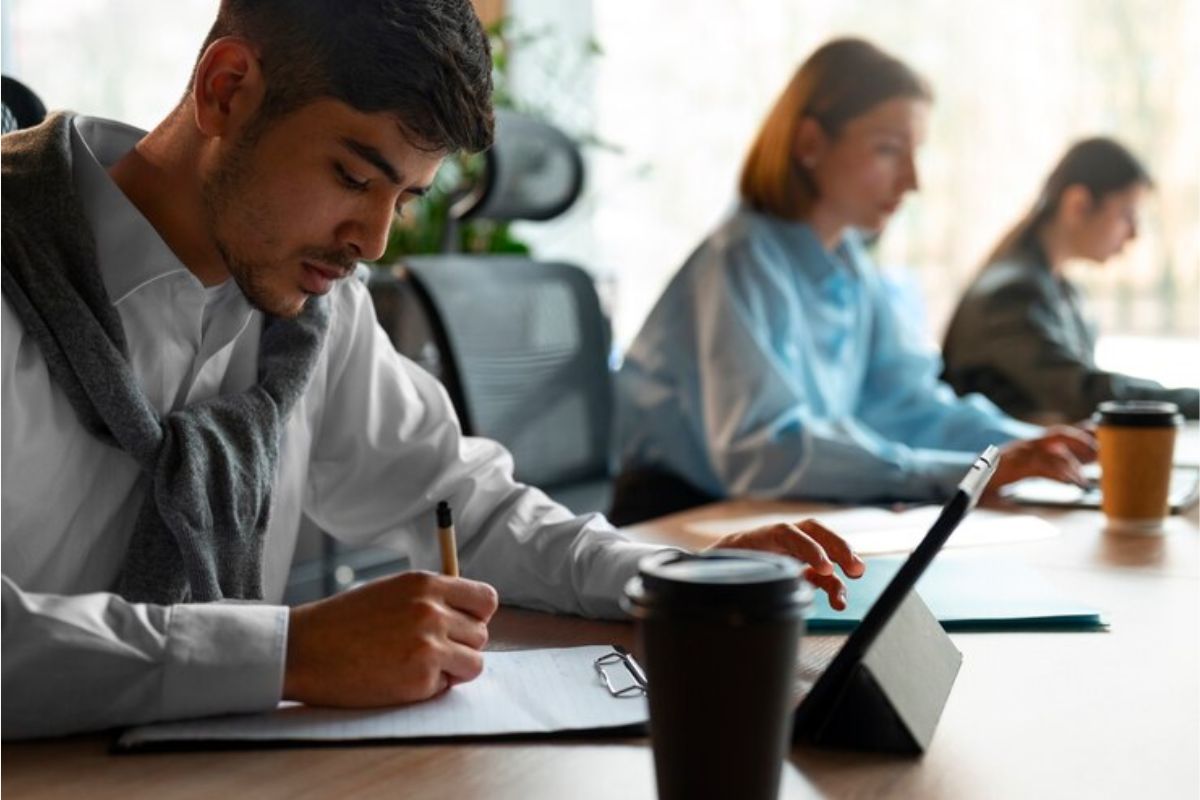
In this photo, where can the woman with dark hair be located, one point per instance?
(775, 365)
(1021, 334)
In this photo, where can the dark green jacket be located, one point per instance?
(1022, 337)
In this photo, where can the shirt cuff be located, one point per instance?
(224, 659)
(940, 471)
(1015, 429)
(610, 573)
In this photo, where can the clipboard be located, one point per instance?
(521, 693)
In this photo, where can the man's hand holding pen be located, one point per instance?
(429, 631)
(411, 636)
(395, 640)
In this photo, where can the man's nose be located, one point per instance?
(367, 233)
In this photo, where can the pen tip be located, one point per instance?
(443, 514)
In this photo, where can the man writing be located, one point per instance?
(186, 371)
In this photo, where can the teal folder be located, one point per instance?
(965, 592)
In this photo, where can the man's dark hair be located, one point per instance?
(426, 61)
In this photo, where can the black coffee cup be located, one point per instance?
(720, 633)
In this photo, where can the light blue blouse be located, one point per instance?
(772, 367)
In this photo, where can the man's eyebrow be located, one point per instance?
(372, 156)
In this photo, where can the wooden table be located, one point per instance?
(1056, 715)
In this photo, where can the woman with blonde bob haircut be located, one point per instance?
(828, 91)
(774, 364)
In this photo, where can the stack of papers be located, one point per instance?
(876, 531)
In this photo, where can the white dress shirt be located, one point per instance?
(367, 453)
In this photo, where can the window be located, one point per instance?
(683, 88)
(123, 59)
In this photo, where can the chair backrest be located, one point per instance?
(521, 345)
(533, 171)
(22, 107)
(527, 348)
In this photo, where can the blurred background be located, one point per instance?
(666, 94)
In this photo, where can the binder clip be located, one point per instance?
(621, 656)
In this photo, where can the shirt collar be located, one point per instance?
(129, 251)
(822, 266)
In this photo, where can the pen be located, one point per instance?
(445, 526)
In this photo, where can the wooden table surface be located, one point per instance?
(1056, 715)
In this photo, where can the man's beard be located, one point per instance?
(225, 197)
(247, 275)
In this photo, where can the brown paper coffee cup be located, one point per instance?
(1137, 448)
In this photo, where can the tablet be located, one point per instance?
(830, 684)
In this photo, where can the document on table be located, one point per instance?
(520, 692)
(967, 591)
(876, 531)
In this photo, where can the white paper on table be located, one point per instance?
(519, 692)
(1187, 445)
(875, 531)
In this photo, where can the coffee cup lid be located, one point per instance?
(1138, 414)
(745, 579)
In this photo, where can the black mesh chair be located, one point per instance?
(534, 172)
(525, 357)
(522, 345)
(21, 107)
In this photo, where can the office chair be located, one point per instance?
(525, 358)
(522, 345)
(22, 107)
(533, 172)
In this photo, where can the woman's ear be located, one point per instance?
(1075, 204)
(811, 143)
(228, 87)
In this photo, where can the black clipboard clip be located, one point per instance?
(621, 656)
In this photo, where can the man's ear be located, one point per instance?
(811, 143)
(228, 87)
(1075, 204)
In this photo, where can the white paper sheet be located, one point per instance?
(877, 531)
(519, 692)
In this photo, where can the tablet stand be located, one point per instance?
(892, 699)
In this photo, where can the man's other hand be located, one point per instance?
(810, 542)
(394, 640)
